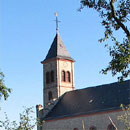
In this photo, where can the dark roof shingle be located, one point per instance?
(58, 50)
(90, 100)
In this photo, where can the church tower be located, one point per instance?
(58, 71)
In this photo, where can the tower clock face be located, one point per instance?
(65, 64)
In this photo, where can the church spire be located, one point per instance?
(58, 70)
(58, 50)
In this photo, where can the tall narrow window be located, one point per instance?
(63, 76)
(50, 95)
(47, 77)
(111, 127)
(52, 76)
(68, 76)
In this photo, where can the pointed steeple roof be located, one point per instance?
(58, 50)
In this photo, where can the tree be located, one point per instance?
(26, 121)
(4, 91)
(115, 15)
(125, 117)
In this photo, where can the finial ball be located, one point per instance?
(56, 14)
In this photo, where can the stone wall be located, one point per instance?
(58, 87)
(65, 65)
(100, 121)
(48, 67)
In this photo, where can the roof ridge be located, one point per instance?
(105, 84)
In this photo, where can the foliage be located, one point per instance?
(7, 124)
(115, 15)
(125, 118)
(4, 91)
(26, 121)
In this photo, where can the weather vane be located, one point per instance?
(56, 14)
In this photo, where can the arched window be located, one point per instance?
(52, 76)
(47, 77)
(63, 76)
(50, 95)
(68, 76)
(75, 129)
(92, 128)
(111, 127)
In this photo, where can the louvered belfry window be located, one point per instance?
(63, 76)
(52, 76)
(47, 77)
(50, 95)
(68, 76)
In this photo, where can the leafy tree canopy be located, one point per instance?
(115, 15)
(4, 91)
(27, 121)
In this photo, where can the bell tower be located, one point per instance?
(58, 71)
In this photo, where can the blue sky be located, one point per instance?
(27, 29)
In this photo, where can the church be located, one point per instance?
(65, 108)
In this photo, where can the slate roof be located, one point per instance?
(91, 100)
(58, 49)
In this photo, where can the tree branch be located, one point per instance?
(118, 21)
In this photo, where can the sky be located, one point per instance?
(27, 29)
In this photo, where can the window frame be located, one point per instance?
(110, 125)
(47, 77)
(75, 129)
(92, 127)
(63, 76)
(52, 76)
(68, 78)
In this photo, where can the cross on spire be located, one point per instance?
(56, 14)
